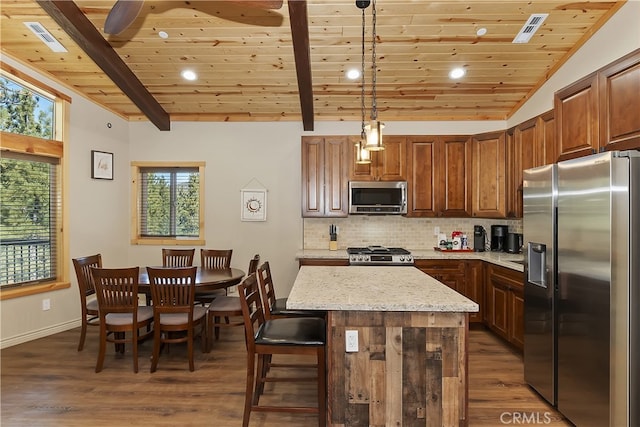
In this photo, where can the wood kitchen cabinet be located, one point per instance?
(324, 176)
(465, 277)
(504, 303)
(545, 151)
(520, 147)
(439, 170)
(389, 164)
(619, 86)
(576, 115)
(488, 175)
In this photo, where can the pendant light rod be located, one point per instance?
(374, 111)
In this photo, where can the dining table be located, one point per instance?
(207, 280)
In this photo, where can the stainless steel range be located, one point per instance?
(379, 255)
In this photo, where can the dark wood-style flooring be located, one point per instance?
(47, 382)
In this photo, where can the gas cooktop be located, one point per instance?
(379, 255)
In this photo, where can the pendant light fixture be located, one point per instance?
(362, 155)
(374, 128)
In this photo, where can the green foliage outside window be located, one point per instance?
(171, 203)
(24, 112)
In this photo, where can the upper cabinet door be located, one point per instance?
(391, 165)
(524, 145)
(620, 103)
(488, 176)
(312, 176)
(386, 165)
(324, 176)
(336, 185)
(576, 112)
(545, 152)
(424, 176)
(455, 171)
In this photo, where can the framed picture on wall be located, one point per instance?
(101, 165)
(253, 205)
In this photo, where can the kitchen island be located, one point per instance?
(411, 364)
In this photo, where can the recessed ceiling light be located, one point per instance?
(189, 75)
(353, 74)
(163, 34)
(456, 73)
(481, 32)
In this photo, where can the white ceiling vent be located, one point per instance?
(46, 37)
(529, 29)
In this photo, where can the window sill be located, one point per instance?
(22, 291)
(164, 241)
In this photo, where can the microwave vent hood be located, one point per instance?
(378, 197)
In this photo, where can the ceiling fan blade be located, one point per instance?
(259, 4)
(122, 14)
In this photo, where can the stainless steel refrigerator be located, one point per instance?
(581, 229)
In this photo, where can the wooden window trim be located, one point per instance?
(135, 206)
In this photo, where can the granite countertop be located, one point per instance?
(499, 258)
(373, 288)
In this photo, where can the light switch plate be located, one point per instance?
(351, 341)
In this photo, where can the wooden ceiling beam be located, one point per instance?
(302, 55)
(81, 30)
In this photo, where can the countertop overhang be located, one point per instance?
(373, 288)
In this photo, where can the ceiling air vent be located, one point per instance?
(46, 37)
(529, 29)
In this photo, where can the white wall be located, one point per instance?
(235, 153)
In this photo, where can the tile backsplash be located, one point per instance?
(393, 231)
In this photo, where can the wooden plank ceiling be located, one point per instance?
(246, 65)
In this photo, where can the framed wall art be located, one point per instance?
(101, 165)
(253, 205)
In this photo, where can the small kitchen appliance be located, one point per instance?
(499, 238)
(514, 243)
(379, 255)
(479, 235)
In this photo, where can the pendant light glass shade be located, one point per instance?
(374, 135)
(363, 157)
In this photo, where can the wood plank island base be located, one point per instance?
(411, 365)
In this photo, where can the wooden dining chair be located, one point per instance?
(222, 308)
(277, 307)
(173, 291)
(214, 259)
(265, 338)
(177, 257)
(119, 312)
(88, 305)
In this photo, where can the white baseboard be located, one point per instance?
(40, 333)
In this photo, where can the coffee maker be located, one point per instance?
(499, 238)
(479, 234)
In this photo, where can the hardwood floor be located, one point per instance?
(46, 382)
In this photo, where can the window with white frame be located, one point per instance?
(168, 208)
(31, 244)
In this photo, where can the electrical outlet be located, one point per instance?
(351, 338)
(436, 231)
(46, 304)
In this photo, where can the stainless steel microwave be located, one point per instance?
(378, 197)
